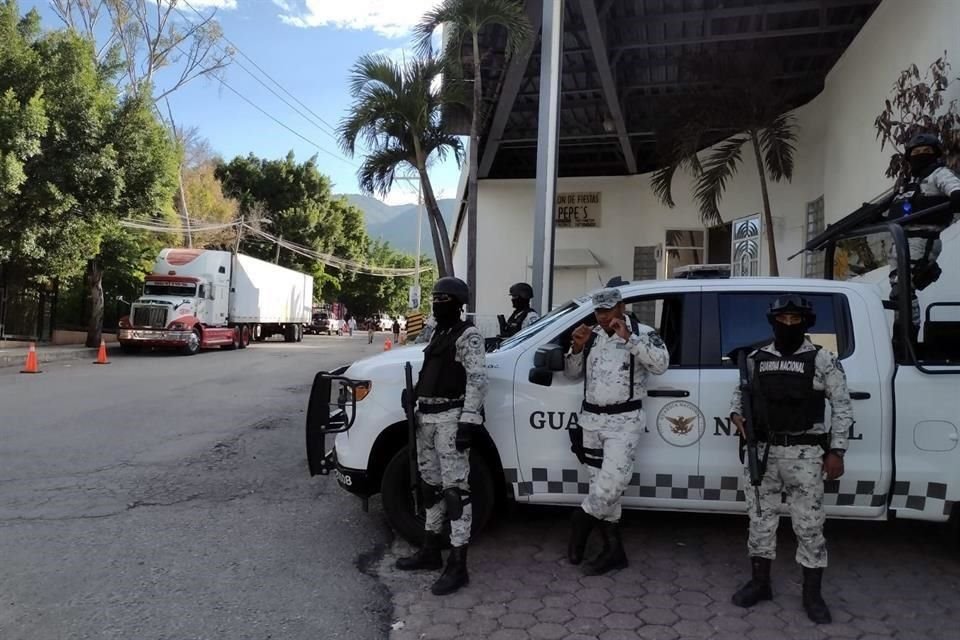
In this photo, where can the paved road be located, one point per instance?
(167, 497)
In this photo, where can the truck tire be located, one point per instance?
(258, 333)
(398, 503)
(299, 332)
(290, 333)
(193, 344)
(244, 336)
(235, 344)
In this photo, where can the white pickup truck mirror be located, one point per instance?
(549, 357)
(541, 376)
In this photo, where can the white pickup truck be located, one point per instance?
(903, 457)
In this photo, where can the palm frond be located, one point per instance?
(662, 183)
(510, 15)
(777, 143)
(717, 171)
(379, 168)
(374, 69)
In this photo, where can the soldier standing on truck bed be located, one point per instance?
(790, 379)
(931, 183)
(615, 358)
(449, 396)
(523, 315)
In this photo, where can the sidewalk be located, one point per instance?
(47, 354)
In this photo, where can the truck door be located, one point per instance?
(666, 469)
(738, 318)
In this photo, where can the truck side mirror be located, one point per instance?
(541, 376)
(549, 357)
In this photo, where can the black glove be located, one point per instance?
(465, 434)
(576, 444)
(405, 401)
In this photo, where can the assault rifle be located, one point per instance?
(746, 410)
(409, 404)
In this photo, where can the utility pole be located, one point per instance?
(276, 258)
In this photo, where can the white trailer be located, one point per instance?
(198, 298)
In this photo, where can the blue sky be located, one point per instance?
(308, 46)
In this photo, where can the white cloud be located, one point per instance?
(389, 18)
(214, 4)
(398, 54)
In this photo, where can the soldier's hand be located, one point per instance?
(833, 466)
(620, 328)
(738, 421)
(580, 336)
(464, 438)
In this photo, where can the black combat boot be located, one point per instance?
(759, 586)
(813, 602)
(454, 575)
(580, 526)
(613, 556)
(427, 557)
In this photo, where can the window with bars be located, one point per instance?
(813, 262)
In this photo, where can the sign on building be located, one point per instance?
(578, 209)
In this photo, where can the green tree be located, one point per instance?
(292, 201)
(367, 295)
(749, 107)
(81, 159)
(397, 114)
(462, 20)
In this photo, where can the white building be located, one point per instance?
(843, 56)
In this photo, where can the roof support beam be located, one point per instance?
(592, 23)
(511, 87)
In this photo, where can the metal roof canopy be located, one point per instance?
(623, 61)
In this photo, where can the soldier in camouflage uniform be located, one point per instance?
(615, 358)
(450, 392)
(790, 379)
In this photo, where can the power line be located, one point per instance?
(332, 128)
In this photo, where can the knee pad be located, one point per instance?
(430, 493)
(456, 499)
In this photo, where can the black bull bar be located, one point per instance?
(327, 414)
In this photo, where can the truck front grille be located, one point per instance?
(150, 317)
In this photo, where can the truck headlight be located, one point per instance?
(178, 326)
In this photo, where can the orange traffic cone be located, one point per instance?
(102, 354)
(31, 365)
(387, 345)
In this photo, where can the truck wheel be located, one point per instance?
(193, 344)
(258, 333)
(235, 343)
(244, 336)
(299, 333)
(398, 503)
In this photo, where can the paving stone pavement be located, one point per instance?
(886, 580)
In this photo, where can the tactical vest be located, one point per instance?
(442, 376)
(913, 200)
(515, 323)
(784, 399)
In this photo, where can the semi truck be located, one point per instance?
(198, 298)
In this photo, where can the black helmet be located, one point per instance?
(792, 303)
(521, 290)
(454, 287)
(924, 140)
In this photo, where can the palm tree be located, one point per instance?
(463, 19)
(396, 114)
(753, 113)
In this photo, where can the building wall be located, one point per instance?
(837, 156)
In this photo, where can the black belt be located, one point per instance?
(789, 440)
(623, 407)
(440, 407)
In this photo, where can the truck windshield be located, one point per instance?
(176, 289)
(557, 315)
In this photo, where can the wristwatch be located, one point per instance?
(838, 452)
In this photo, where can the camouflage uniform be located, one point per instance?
(617, 435)
(797, 470)
(941, 182)
(441, 465)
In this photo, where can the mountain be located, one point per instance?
(397, 223)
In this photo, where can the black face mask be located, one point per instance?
(787, 338)
(920, 164)
(446, 313)
(520, 303)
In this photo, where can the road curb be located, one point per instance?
(52, 355)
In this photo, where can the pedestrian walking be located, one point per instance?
(396, 330)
